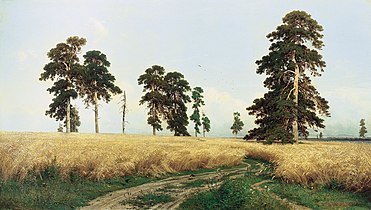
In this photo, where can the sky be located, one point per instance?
(224, 37)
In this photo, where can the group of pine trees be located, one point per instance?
(166, 98)
(91, 80)
(291, 106)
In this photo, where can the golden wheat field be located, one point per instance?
(101, 156)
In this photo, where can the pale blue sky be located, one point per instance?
(224, 37)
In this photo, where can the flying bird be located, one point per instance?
(201, 67)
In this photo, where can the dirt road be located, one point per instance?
(178, 188)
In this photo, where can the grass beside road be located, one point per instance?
(243, 193)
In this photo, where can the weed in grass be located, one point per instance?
(196, 183)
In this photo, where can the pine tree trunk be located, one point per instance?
(195, 132)
(68, 117)
(296, 101)
(96, 112)
(154, 130)
(68, 108)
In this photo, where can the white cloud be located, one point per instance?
(24, 55)
(99, 28)
(220, 106)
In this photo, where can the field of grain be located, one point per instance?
(102, 156)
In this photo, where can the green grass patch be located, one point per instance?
(46, 190)
(234, 194)
(320, 198)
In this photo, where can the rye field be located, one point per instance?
(104, 156)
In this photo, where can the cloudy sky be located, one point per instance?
(225, 37)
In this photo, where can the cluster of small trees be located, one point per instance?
(166, 98)
(91, 80)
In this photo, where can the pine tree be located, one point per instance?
(197, 103)
(363, 129)
(154, 85)
(97, 83)
(292, 103)
(176, 111)
(237, 123)
(205, 124)
(65, 70)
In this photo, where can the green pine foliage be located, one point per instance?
(205, 124)
(153, 85)
(166, 98)
(97, 78)
(295, 43)
(363, 129)
(75, 119)
(237, 123)
(176, 110)
(197, 98)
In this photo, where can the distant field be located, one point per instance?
(102, 156)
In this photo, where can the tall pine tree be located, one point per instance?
(65, 70)
(154, 85)
(292, 103)
(197, 98)
(97, 81)
(176, 111)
